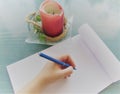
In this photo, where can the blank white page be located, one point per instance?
(102, 53)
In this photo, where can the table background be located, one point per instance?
(102, 15)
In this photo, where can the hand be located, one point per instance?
(52, 71)
(49, 74)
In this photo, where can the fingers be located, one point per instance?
(67, 59)
(66, 72)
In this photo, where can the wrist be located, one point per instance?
(39, 82)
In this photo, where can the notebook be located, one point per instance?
(97, 67)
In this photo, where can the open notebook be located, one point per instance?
(96, 66)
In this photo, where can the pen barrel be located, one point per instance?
(65, 64)
(54, 60)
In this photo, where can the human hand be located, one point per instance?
(49, 74)
(52, 71)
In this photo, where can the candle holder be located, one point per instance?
(37, 35)
(48, 25)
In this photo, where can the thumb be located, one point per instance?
(67, 71)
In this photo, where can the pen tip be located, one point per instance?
(74, 68)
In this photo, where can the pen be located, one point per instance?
(55, 60)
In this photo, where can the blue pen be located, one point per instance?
(55, 60)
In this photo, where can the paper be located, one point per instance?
(93, 74)
(106, 58)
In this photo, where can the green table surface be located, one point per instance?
(102, 15)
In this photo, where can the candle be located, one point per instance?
(52, 16)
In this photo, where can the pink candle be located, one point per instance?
(52, 16)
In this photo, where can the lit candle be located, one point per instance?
(52, 16)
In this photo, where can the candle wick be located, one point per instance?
(53, 13)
